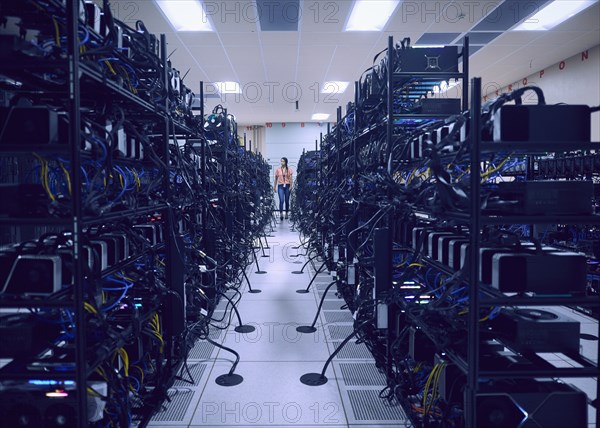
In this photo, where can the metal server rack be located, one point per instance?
(471, 366)
(78, 76)
(430, 79)
(382, 243)
(75, 300)
(382, 240)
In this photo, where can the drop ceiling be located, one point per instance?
(277, 65)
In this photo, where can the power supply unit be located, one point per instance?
(531, 404)
(536, 330)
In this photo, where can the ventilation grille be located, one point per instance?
(175, 410)
(333, 305)
(340, 332)
(330, 296)
(367, 406)
(322, 286)
(215, 334)
(196, 370)
(352, 351)
(337, 316)
(361, 374)
(202, 351)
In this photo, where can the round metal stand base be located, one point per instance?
(229, 379)
(313, 379)
(245, 329)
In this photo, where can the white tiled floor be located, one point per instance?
(275, 356)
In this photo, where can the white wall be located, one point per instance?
(290, 140)
(255, 137)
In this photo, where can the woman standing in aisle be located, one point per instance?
(283, 186)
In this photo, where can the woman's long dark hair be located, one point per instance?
(286, 166)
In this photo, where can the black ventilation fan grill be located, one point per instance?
(498, 411)
(60, 416)
(24, 415)
(536, 314)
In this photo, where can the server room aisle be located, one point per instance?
(275, 355)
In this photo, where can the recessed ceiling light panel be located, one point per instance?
(185, 15)
(554, 14)
(370, 15)
(228, 87)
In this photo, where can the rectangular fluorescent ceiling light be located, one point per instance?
(186, 15)
(334, 87)
(555, 13)
(320, 116)
(228, 87)
(370, 15)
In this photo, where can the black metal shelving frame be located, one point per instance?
(386, 126)
(393, 78)
(482, 295)
(466, 356)
(471, 366)
(84, 82)
(82, 87)
(72, 94)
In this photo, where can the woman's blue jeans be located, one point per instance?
(283, 190)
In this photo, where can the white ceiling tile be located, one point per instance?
(339, 69)
(438, 16)
(324, 16)
(313, 63)
(585, 21)
(340, 38)
(219, 73)
(243, 54)
(200, 38)
(279, 38)
(517, 38)
(249, 38)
